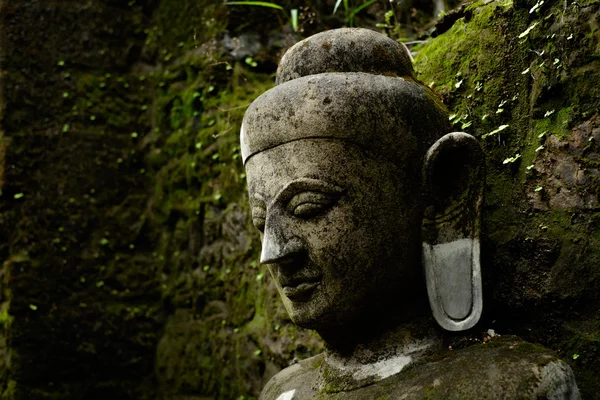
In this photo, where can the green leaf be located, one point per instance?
(18, 196)
(294, 19)
(575, 356)
(512, 159)
(388, 16)
(337, 4)
(255, 3)
(526, 31)
(33, 307)
(536, 6)
(360, 8)
(500, 128)
(548, 113)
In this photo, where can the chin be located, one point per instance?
(311, 314)
(303, 314)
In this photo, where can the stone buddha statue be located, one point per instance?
(370, 217)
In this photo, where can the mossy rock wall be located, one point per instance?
(128, 262)
(524, 78)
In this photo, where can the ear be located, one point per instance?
(453, 179)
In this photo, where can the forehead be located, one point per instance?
(335, 161)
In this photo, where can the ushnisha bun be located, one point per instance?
(345, 50)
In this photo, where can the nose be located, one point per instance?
(276, 248)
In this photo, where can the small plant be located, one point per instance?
(293, 12)
(511, 160)
(349, 11)
(391, 25)
(497, 130)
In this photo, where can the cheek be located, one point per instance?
(360, 238)
(340, 243)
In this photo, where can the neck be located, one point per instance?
(362, 359)
(376, 326)
(377, 340)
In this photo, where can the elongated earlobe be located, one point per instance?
(453, 177)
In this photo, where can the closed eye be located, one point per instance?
(311, 203)
(259, 217)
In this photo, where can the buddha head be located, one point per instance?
(364, 199)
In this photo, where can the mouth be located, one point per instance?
(299, 291)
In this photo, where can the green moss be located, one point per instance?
(529, 348)
(490, 77)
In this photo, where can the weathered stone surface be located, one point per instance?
(345, 50)
(568, 170)
(503, 368)
(389, 116)
(356, 188)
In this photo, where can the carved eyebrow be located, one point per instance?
(257, 200)
(306, 184)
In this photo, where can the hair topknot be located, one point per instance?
(345, 50)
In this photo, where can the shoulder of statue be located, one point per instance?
(534, 368)
(557, 382)
(503, 367)
(294, 381)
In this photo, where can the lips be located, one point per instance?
(300, 290)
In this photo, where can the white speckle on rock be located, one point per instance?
(382, 369)
(289, 395)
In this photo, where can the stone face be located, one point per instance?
(289, 138)
(326, 210)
